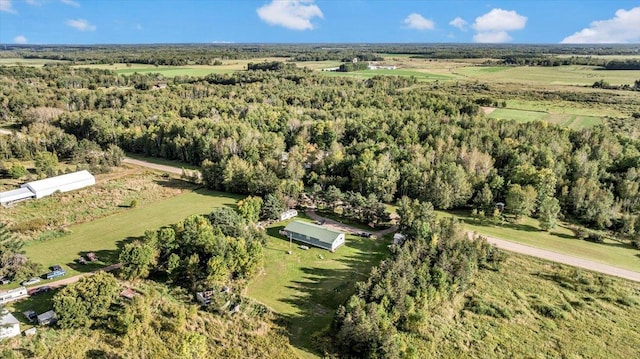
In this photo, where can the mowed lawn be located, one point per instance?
(106, 235)
(307, 286)
(560, 240)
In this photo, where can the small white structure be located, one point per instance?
(398, 238)
(9, 325)
(13, 294)
(64, 183)
(30, 331)
(288, 214)
(15, 195)
(47, 318)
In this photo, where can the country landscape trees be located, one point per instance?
(282, 135)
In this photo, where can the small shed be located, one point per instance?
(47, 318)
(13, 294)
(288, 214)
(398, 238)
(314, 235)
(128, 293)
(30, 331)
(63, 183)
(9, 325)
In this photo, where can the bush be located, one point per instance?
(17, 171)
(133, 204)
(548, 311)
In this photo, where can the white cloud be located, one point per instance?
(292, 14)
(33, 2)
(71, 3)
(6, 6)
(81, 25)
(492, 37)
(493, 26)
(20, 39)
(418, 22)
(460, 23)
(623, 28)
(500, 20)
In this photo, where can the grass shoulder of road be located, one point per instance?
(162, 161)
(306, 287)
(560, 240)
(107, 235)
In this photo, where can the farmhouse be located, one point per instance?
(9, 325)
(13, 294)
(314, 235)
(64, 183)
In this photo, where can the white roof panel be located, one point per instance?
(15, 195)
(54, 182)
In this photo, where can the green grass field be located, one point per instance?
(560, 75)
(365, 74)
(566, 120)
(106, 235)
(307, 286)
(560, 239)
(535, 309)
(28, 62)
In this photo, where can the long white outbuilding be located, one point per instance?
(48, 186)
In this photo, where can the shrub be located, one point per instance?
(548, 311)
(134, 203)
(17, 171)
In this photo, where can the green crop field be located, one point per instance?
(105, 236)
(560, 75)
(560, 240)
(307, 286)
(166, 71)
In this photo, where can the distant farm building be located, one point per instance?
(314, 235)
(13, 294)
(48, 186)
(288, 214)
(398, 238)
(9, 325)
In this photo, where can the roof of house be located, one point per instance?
(128, 293)
(7, 318)
(57, 181)
(46, 315)
(313, 230)
(15, 195)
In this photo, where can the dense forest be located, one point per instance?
(280, 129)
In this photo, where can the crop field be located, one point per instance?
(544, 76)
(535, 309)
(106, 235)
(28, 62)
(307, 286)
(421, 75)
(560, 240)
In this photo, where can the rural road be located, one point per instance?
(154, 166)
(75, 278)
(508, 246)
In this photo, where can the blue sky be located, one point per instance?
(309, 21)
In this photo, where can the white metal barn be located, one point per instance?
(15, 195)
(64, 183)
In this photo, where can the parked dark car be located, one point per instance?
(40, 290)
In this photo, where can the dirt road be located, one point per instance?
(75, 278)
(154, 166)
(511, 247)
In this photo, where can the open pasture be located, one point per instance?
(307, 286)
(566, 120)
(106, 235)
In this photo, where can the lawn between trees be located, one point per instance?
(107, 235)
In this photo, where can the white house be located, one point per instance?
(288, 214)
(314, 235)
(64, 183)
(9, 325)
(13, 294)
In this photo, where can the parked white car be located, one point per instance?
(31, 281)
